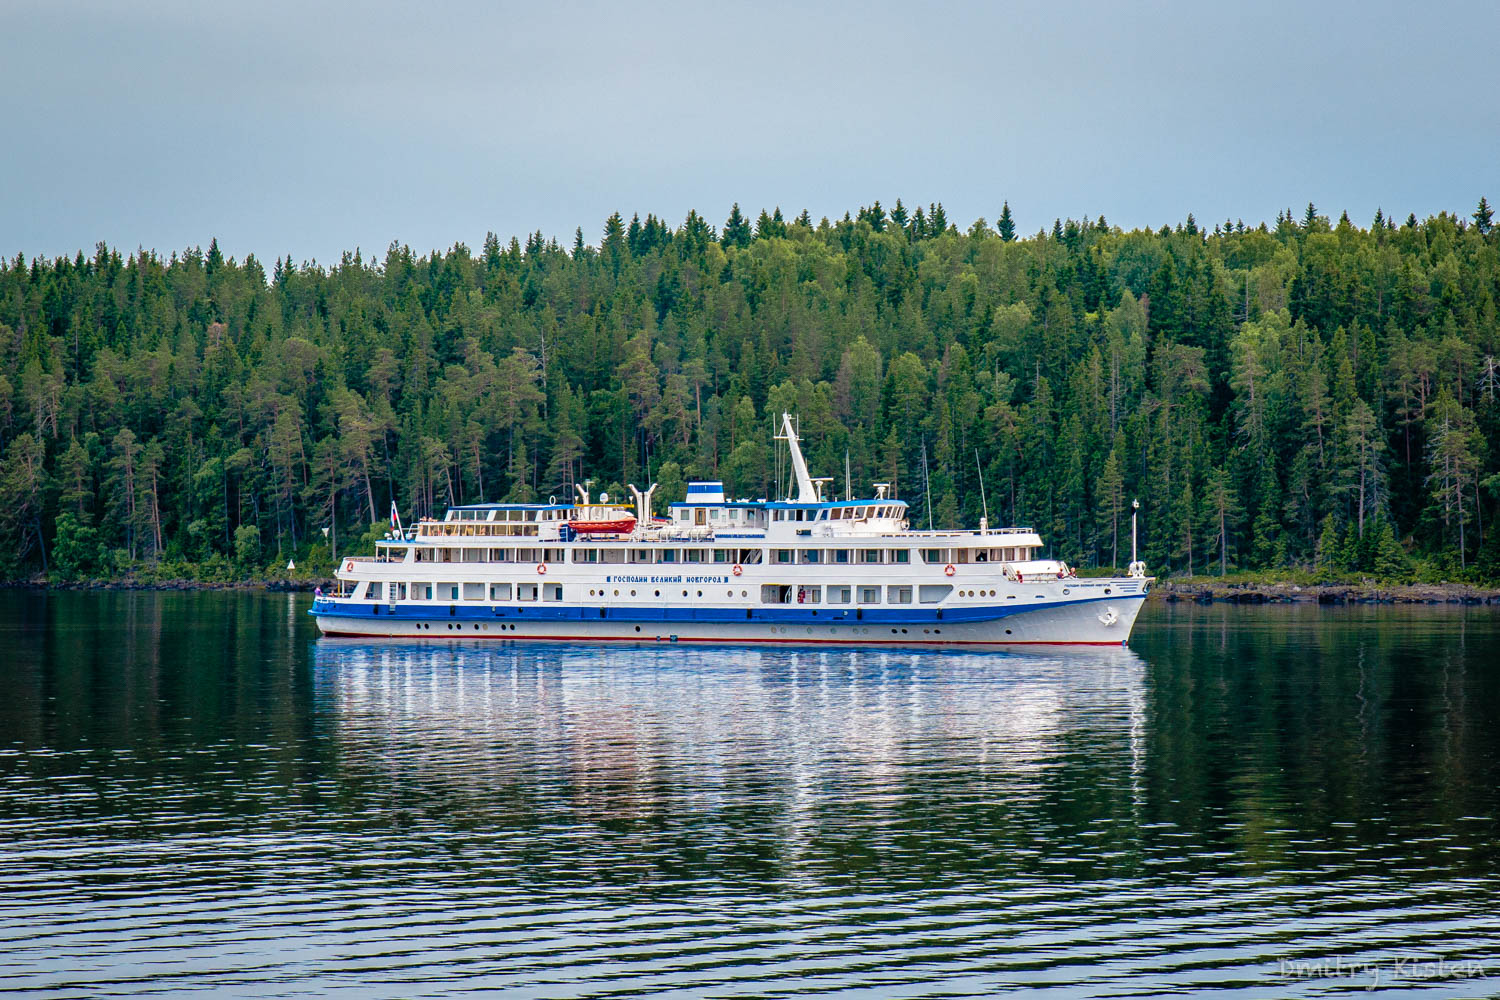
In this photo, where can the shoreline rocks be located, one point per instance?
(1328, 594)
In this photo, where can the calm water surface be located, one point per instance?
(196, 793)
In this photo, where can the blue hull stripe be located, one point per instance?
(541, 612)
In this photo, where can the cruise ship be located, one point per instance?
(803, 570)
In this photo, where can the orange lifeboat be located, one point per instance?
(601, 519)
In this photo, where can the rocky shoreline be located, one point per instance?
(1326, 593)
(273, 586)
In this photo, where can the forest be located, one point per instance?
(1305, 395)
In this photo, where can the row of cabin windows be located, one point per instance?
(454, 530)
(784, 593)
(506, 515)
(839, 513)
(771, 593)
(748, 557)
(446, 591)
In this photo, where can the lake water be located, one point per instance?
(196, 793)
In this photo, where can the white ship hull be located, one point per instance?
(1082, 617)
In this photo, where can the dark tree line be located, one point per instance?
(1308, 393)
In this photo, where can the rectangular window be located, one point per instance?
(901, 555)
(499, 591)
(694, 555)
(421, 591)
(723, 555)
(526, 591)
(473, 591)
(640, 555)
(933, 557)
(374, 591)
(614, 556)
(447, 591)
(812, 555)
(809, 595)
(933, 593)
(840, 595)
(869, 595)
(585, 555)
(898, 595)
(552, 555)
(667, 556)
(552, 591)
(870, 556)
(782, 555)
(473, 555)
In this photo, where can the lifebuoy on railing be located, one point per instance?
(541, 568)
(738, 569)
(949, 570)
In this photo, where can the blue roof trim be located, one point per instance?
(512, 506)
(791, 504)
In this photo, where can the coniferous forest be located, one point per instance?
(1307, 394)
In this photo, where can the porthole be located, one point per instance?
(617, 593)
(903, 631)
(700, 593)
(1066, 590)
(729, 593)
(1007, 631)
(632, 594)
(656, 593)
(1107, 591)
(637, 628)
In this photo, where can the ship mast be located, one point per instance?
(806, 492)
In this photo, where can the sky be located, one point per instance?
(309, 129)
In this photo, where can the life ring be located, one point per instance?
(348, 565)
(541, 569)
(738, 569)
(948, 570)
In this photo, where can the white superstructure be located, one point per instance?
(803, 570)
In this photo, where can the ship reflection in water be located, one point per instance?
(760, 754)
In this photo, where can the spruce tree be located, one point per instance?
(1007, 224)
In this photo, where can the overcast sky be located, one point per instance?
(304, 129)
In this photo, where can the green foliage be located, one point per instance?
(1314, 395)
